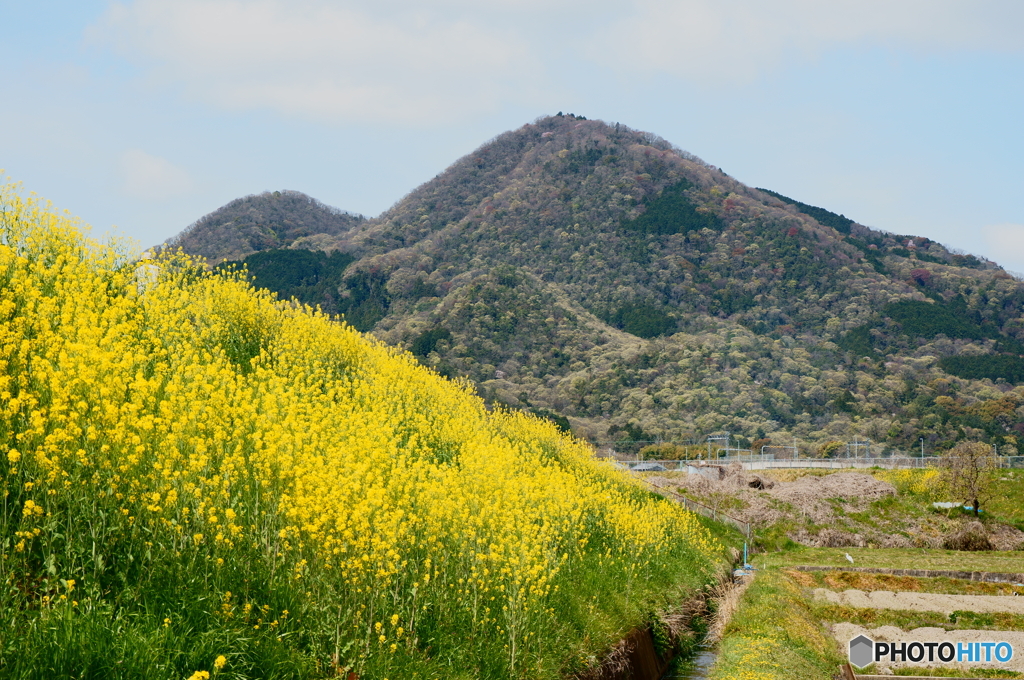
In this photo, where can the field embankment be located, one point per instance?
(774, 635)
(796, 624)
(826, 539)
(899, 608)
(876, 509)
(200, 481)
(898, 558)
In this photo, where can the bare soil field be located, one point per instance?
(922, 602)
(844, 632)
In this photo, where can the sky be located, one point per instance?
(141, 116)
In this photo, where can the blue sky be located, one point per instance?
(145, 115)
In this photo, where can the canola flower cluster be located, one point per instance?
(756, 659)
(156, 418)
(918, 482)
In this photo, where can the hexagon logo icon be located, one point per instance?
(862, 651)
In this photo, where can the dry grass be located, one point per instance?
(847, 580)
(909, 620)
(805, 579)
(728, 602)
(843, 580)
(898, 558)
(793, 474)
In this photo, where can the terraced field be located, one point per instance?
(894, 608)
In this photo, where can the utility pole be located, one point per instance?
(718, 438)
(856, 444)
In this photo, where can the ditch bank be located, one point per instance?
(653, 652)
(984, 576)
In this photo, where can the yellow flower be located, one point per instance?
(373, 475)
(219, 662)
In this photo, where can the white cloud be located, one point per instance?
(415, 62)
(152, 178)
(1005, 245)
(737, 40)
(324, 60)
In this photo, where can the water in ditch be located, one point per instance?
(695, 667)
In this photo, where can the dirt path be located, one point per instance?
(923, 602)
(844, 632)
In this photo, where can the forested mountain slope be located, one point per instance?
(599, 273)
(269, 220)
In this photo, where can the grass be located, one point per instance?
(775, 634)
(896, 558)
(845, 580)
(908, 513)
(793, 474)
(909, 620)
(199, 481)
(1007, 503)
(955, 673)
(779, 633)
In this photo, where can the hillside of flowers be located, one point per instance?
(199, 481)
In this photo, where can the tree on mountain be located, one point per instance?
(829, 449)
(920, 276)
(739, 312)
(967, 472)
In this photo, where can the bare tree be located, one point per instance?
(967, 471)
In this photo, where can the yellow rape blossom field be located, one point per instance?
(200, 481)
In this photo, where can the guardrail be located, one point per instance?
(842, 463)
(759, 462)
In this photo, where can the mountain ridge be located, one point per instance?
(272, 219)
(600, 273)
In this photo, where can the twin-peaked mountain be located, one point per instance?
(597, 273)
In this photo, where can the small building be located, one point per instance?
(649, 467)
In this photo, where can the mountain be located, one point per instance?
(599, 274)
(267, 221)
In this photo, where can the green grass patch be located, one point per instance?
(1007, 503)
(774, 634)
(909, 620)
(198, 481)
(846, 580)
(897, 558)
(955, 673)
